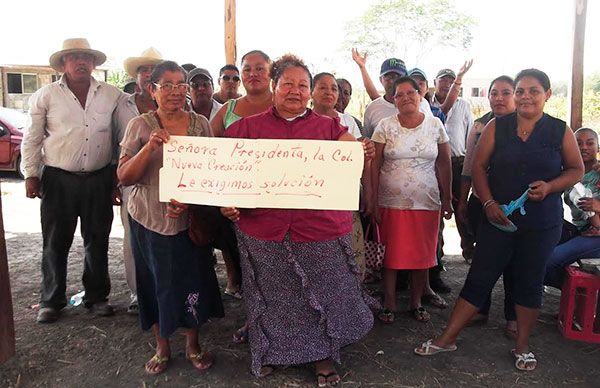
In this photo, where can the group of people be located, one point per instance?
(300, 272)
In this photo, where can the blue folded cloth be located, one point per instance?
(509, 209)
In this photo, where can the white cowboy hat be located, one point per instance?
(149, 57)
(75, 45)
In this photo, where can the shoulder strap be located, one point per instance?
(231, 106)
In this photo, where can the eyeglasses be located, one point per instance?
(234, 78)
(409, 94)
(168, 87)
(201, 84)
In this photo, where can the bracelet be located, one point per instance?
(488, 203)
(457, 83)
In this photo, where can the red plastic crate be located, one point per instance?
(579, 318)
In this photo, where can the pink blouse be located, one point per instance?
(301, 224)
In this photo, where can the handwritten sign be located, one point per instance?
(266, 173)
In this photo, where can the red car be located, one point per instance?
(12, 124)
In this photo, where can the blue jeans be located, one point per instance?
(567, 253)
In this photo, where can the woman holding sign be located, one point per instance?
(411, 176)
(301, 289)
(176, 281)
(523, 153)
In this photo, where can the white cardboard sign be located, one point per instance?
(265, 173)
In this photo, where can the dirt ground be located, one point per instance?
(81, 350)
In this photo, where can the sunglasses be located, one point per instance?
(234, 78)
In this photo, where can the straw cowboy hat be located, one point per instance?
(75, 45)
(149, 57)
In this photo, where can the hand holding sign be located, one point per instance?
(294, 174)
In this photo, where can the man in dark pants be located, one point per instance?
(458, 123)
(71, 144)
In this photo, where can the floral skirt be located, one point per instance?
(304, 300)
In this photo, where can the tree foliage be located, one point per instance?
(409, 28)
(117, 78)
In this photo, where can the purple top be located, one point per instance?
(302, 225)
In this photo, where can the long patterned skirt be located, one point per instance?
(304, 300)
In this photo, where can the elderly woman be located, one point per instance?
(502, 102)
(526, 151)
(411, 183)
(176, 281)
(301, 289)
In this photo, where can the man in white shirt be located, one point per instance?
(382, 107)
(459, 121)
(201, 91)
(69, 157)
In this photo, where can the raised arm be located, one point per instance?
(361, 61)
(455, 89)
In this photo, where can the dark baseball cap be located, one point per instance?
(446, 72)
(417, 72)
(393, 65)
(199, 71)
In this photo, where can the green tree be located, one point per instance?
(409, 28)
(117, 78)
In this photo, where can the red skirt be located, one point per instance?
(410, 238)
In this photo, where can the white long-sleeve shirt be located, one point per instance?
(64, 135)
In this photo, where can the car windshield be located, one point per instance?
(14, 117)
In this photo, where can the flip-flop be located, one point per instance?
(429, 349)
(234, 294)
(159, 361)
(240, 336)
(330, 379)
(420, 314)
(522, 360)
(386, 316)
(201, 361)
(434, 300)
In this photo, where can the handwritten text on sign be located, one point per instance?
(292, 174)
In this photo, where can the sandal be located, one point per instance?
(240, 336)
(201, 361)
(429, 349)
(330, 379)
(156, 365)
(265, 371)
(233, 293)
(524, 361)
(510, 333)
(420, 314)
(386, 316)
(434, 300)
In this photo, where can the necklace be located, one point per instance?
(523, 132)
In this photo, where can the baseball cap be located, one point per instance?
(199, 71)
(417, 72)
(393, 65)
(446, 72)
